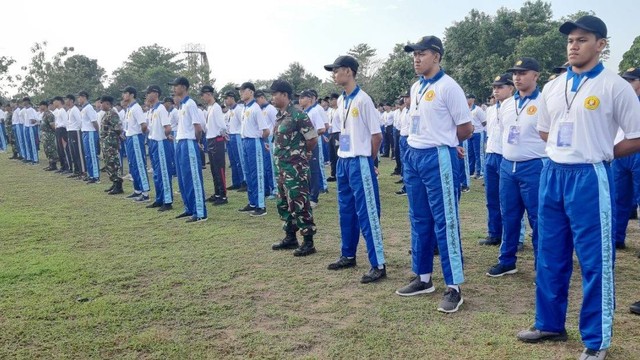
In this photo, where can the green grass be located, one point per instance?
(161, 289)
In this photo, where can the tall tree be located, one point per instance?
(40, 69)
(299, 78)
(631, 58)
(365, 55)
(5, 63)
(76, 73)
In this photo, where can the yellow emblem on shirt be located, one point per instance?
(430, 95)
(532, 110)
(592, 102)
(355, 112)
(247, 113)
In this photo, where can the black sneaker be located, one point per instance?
(183, 215)
(620, 246)
(288, 243)
(258, 212)
(490, 241)
(401, 192)
(142, 199)
(232, 187)
(211, 198)
(416, 287)
(220, 201)
(133, 196)
(242, 189)
(465, 189)
(498, 270)
(399, 181)
(451, 301)
(635, 308)
(165, 207)
(194, 219)
(374, 275)
(534, 335)
(247, 208)
(93, 181)
(342, 263)
(153, 205)
(331, 179)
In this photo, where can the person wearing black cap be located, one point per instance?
(74, 135)
(110, 130)
(161, 150)
(357, 182)
(29, 119)
(188, 163)
(524, 155)
(136, 127)
(90, 137)
(48, 137)
(294, 138)
(586, 107)
(626, 172)
(233, 119)
(216, 134)
(440, 119)
(334, 134)
(403, 125)
(62, 141)
(253, 131)
(269, 112)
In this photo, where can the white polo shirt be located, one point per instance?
(88, 116)
(189, 114)
(583, 131)
(215, 121)
(157, 119)
(390, 118)
(359, 120)
(404, 122)
(3, 115)
(396, 118)
(269, 112)
(233, 118)
(437, 108)
(16, 116)
(29, 114)
(520, 137)
(61, 117)
(253, 122)
(173, 118)
(134, 118)
(478, 117)
(335, 121)
(316, 118)
(494, 129)
(74, 120)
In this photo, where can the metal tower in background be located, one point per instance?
(197, 62)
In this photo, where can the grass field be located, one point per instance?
(157, 288)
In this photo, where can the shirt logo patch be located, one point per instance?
(532, 110)
(430, 95)
(247, 113)
(355, 113)
(592, 102)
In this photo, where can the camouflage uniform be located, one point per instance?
(11, 138)
(48, 139)
(292, 129)
(110, 138)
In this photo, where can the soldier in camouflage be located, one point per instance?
(294, 138)
(110, 131)
(48, 136)
(11, 133)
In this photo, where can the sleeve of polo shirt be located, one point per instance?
(196, 115)
(456, 102)
(316, 119)
(306, 127)
(626, 111)
(92, 114)
(482, 115)
(163, 116)
(544, 119)
(138, 115)
(260, 120)
(218, 117)
(370, 115)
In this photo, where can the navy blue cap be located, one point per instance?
(524, 64)
(426, 43)
(231, 93)
(560, 69)
(130, 89)
(343, 61)
(504, 79)
(281, 86)
(180, 80)
(154, 88)
(247, 85)
(588, 23)
(632, 74)
(206, 89)
(83, 94)
(107, 98)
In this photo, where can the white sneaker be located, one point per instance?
(313, 204)
(128, 177)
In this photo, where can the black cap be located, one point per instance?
(589, 23)
(306, 93)
(206, 89)
(313, 92)
(154, 88)
(632, 74)
(130, 90)
(562, 68)
(281, 86)
(44, 102)
(180, 80)
(524, 64)
(231, 93)
(470, 96)
(426, 43)
(70, 97)
(504, 79)
(247, 85)
(58, 98)
(167, 99)
(259, 93)
(84, 94)
(26, 98)
(334, 96)
(107, 98)
(344, 61)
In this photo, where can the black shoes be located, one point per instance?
(401, 192)
(490, 241)
(289, 242)
(258, 212)
(331, 179)
(165, 207)
(635, 308)
(153, 205)
(307, 247)
(342, 263)
(117, 189)
(232, 187)
(194, 219)
(534, 335)
(416, 287)
(620, 246)
(498, 270)
(465, 189)
(451, 301)
(247, 208)
(220, 201)
(374, 275)
(183, 215)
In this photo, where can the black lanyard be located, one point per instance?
(566, 97)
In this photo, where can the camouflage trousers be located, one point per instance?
(293, 198)
(49, 145)
(111, 156)
(11, 136)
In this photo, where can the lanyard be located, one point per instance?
(566, 97)
(521, 108)
(426, 85)
(348, 101)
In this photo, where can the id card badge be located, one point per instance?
(345, 142)
(565, 134)
(415, 125)
(514, 135)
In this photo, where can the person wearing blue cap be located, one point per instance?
(188, 161)
(585, 109)
(357, 183)
(439, 120)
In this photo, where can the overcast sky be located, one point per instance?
(253, 39)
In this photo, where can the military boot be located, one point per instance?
(289, 242)
(113, 185)
(117, 188)
(307, 247)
